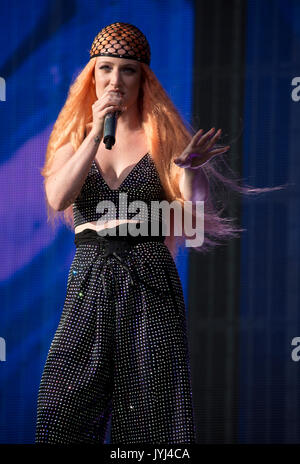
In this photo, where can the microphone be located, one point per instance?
(109, 131)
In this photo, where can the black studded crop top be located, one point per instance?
(132, 200)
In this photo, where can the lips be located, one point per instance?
(117, 91)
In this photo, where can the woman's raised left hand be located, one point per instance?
(201, 148)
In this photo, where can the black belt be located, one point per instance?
(112, 245)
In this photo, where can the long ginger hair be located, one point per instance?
(167, 136)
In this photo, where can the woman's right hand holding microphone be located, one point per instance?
(109, 102)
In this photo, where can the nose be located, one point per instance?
(115, 77)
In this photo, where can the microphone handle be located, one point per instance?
(109, 129)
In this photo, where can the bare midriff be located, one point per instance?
(105, 225)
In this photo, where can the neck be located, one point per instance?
(129, 121)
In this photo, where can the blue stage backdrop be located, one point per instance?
(269, 401)
(45, 44)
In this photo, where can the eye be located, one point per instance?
(125, 69)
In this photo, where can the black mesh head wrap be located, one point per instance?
(121, 40)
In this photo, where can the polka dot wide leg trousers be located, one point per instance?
(120, 350)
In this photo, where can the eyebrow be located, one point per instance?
(125, 64)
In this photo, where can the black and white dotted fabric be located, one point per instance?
(142, 184)
(120, 350)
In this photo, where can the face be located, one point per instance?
(119, 74)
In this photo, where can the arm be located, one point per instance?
(70, 169)
(69, 172)
(194, 184)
